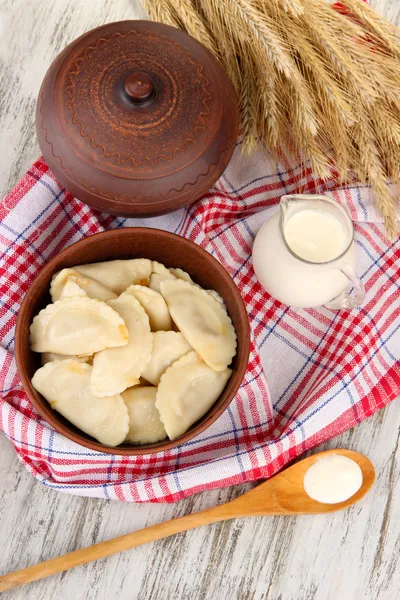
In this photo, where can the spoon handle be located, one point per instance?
(113, 546)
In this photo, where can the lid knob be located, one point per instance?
(139, 87)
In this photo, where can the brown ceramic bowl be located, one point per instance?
(167, 248)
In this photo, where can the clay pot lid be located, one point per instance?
(136, 118)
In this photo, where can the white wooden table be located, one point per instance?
(346, 556)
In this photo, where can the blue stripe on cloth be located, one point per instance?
(374, 262)
(66, 452)
(174, 473)
(76, 225)
(10, 343)
(230, 184)
(270, 329)
(248, 229)
(236, 273)
(235, 434)
(280, 175)
(109, 475)
(51, 440)
(265, 177)
(14, 387)
(8, 307)
(177, 228)
(177, 463)
(372, 321)
(309, 359)
(234, 223)
(365, 213)
(30, 243)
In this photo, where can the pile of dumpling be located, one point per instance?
(132, 351)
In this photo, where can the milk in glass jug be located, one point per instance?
(304, 255)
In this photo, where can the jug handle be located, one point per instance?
(351, 297)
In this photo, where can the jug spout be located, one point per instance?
(291, 203)
(287, 205)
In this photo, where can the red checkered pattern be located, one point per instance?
(312, 373)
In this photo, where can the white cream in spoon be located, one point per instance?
(332, 479)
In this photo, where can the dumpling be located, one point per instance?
(203, 321)
(145, 426)
(117, 275)
(116, 369)
(219, 298)
(161, 269)
(77, 326)
(51, 357)
(168, 346)
(155, 281)
(70, 282)
(66, 386)
(181, 274)
(154, 306)
(159, 273)
(187, 390)
(70, 290)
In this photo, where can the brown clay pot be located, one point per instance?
(167, 248)
(136, 118)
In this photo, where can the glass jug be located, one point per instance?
(301, 282)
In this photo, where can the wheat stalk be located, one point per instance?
(161, 10)
(310, 81)
(249, 17)
(193, 23)
(294, 7)
(269, 111)
(383, 31)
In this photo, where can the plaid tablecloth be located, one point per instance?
(312, 373)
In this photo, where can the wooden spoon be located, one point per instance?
(282, 495)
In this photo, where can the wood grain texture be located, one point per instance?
(281, 495)
(352, 555)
